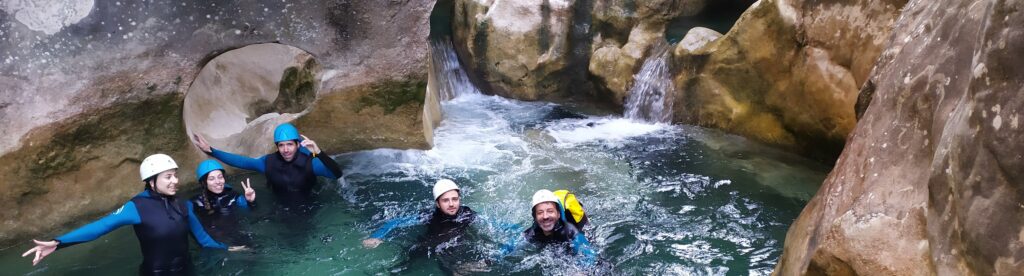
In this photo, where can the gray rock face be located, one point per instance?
(930, 181)
(79, 83)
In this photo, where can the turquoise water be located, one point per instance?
(662, 199)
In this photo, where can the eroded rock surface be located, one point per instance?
(86, 98)
(930, 181)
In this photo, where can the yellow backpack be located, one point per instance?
(573, 208)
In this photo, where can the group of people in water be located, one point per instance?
(163, 223)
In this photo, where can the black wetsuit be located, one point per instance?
(162, 225)
(221, 218)
(289, 180)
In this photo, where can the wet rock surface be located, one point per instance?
(62, 70)
(929, 182)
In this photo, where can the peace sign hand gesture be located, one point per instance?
(42, 249)
(310, 145)
(250, 194)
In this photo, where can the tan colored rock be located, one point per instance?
(789, 68)
(614, 66)
(519, 48)
(238, 98)
(929, 182)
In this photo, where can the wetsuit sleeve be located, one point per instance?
(325, 166)
(126, 215)
(395, 223)
(199, 234)
(243, 204)
(509, 246)
(581, 246)
(238, 161)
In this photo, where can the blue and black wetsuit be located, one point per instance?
(219, 213)
(295, 178)
(564, 233)
(440, 226)
(162, 225)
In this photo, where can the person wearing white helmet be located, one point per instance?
(448, 218)
(162, 223)
(550, 227)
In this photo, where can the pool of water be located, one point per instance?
(662, 199)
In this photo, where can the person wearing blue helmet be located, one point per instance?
(217, 203)
(292, 170)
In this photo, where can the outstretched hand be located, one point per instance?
(237, 248)
(310, 145)
(42, 249)
(250, 194)
(372, 242)
(201, 143)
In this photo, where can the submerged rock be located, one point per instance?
(929, 182)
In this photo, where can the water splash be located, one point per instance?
(452, 79)
(650, 98)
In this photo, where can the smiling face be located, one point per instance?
(165, 183)
(215, 181)
(546, 215)
(287, 150)
(448, 202)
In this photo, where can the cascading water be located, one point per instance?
(452, 79)
(662, 199)
(650, 97)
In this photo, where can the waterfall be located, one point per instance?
(452, 79)
(650, 97)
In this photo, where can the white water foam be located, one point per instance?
(609, 131)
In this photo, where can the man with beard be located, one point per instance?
(551, 228)
(448, 219)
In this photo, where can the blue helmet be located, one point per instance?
(206, 167)
(286, 132)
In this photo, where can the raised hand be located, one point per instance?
(250, 194)
(201, 143)
(310, 145)
(42, 249)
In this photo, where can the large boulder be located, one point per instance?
(930, 181)
(787, 73)
(92, 87)
(516, 48)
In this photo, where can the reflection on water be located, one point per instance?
(662, 199)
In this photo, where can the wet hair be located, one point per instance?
(145, 182)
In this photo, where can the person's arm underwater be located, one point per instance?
(377, 237)
(199, 234)
(581, 246)
(126, 215)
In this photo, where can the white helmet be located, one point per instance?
(544, 195)
(156, 164)
(443, 186)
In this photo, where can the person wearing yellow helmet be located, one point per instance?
(162, 223)
(551, 228)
